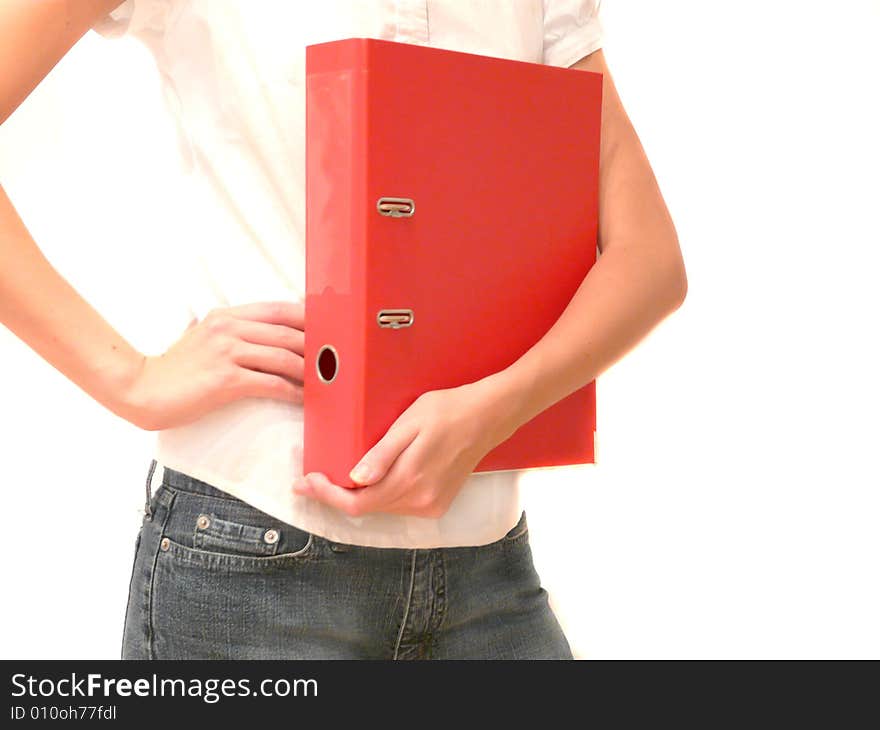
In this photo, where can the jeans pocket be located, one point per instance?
(223, 573)
(215, 531)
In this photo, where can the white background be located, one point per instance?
(734, 508)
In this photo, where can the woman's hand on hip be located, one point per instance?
(249, 350)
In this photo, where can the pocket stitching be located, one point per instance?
(204, 539)
(200, 556)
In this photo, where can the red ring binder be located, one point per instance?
(502, 157)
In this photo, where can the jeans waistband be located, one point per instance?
(181, 481)
(186, 483)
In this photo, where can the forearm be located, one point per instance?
(638, 279)
(40, 307)
(622, 298)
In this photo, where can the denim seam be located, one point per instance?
(151, 634)
(412, 580)
(134, 566)
(440, 604)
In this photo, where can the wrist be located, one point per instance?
(125, 392)
(504, 396)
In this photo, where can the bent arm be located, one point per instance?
(43, 310)
(638, 279)
(36, 303)
(34, 36)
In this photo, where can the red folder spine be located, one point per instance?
(336, 210)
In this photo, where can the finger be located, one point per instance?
(399, 497)
(289, 313)
(378, 460)
(266, 359)
(272, 335)
(254, 384)
(353, 502)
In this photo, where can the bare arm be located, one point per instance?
(35, 36)
(48, 314)
(36, 303)
(638, 279)
(250, 350)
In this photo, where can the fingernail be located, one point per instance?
(300, 485)
(360, 473)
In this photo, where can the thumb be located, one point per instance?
(377, 461)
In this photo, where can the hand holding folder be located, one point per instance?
(451, 214)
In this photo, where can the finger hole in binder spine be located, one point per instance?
(327, 363)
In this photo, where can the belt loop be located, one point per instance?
(148, 511)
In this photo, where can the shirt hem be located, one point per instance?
(349, 537)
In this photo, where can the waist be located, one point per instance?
(252, 450)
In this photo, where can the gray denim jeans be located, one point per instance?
(214, 578)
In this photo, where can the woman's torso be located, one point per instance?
(233, 78)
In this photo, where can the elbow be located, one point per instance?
(681, 287)
(678, 282)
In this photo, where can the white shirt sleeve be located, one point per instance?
(133, 17)
(572, 30)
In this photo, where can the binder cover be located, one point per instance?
(451, 214)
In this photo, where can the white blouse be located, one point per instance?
(233, 79)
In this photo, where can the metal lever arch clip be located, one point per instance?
(395, 318)
(396, 207)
